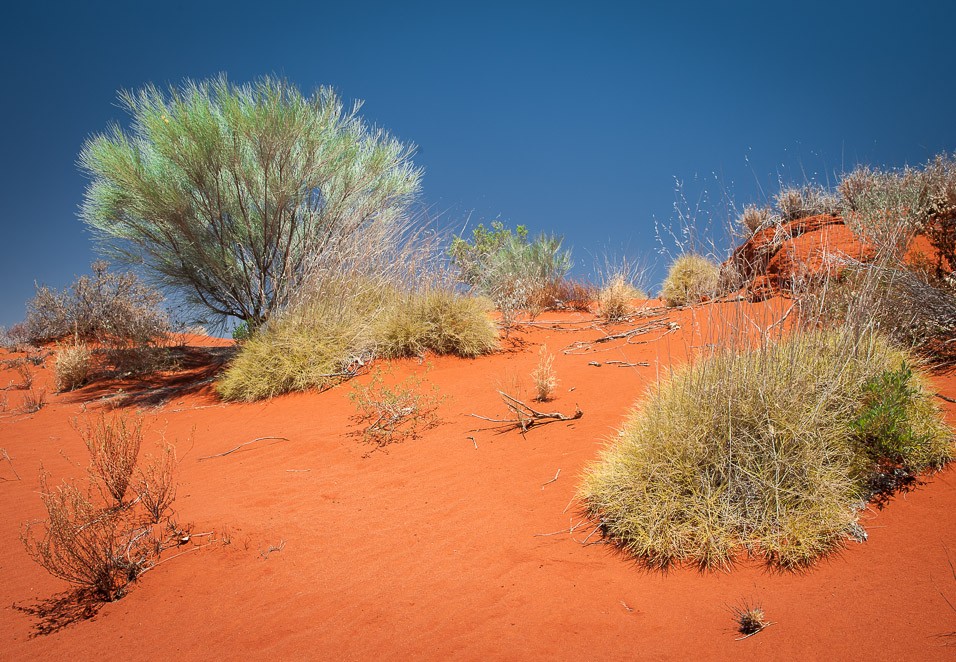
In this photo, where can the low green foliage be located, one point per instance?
(772, 451)
(690, 279)
(514, 272)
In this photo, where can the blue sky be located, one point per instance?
(575, 118)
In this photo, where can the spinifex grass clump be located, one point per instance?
(769, 450)
(332, 336)
(690, 279)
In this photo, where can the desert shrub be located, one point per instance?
(34, 400)
(809, 200)
(95, 538)
(690, 279)
(395, 412)
(116, 309)
(752, 218)
(761, 450)
(438, 320)
(572, 295)
(74, 367)
(514, 272)
(472, 259)
(154, 483)
(895, 300)
(80, 542)
(113, 444)
(235, 193)
(543, 376)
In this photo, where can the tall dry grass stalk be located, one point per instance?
(544, 377)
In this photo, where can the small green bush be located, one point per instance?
(690, 279)
(772, 451)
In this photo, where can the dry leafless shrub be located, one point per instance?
(94, 538)
(74, 367)
(155, 483)
(395, 412)
(34, 400)
(108, 307)
(545, 380)
(83, 544)
(26, 377)
(113, 443)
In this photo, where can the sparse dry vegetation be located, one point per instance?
(394, 412)
(98, 538)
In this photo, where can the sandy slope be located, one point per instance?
(428, 549)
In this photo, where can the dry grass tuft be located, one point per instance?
(438, 320)
(616, 297)
(545, 381)
(753, 218)
(757, 451)
(74, 367)
(690, 279)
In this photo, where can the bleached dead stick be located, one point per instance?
(526, 416)
(552, 480)
(233, 450)
(6, 457)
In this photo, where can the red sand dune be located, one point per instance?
(431, 549)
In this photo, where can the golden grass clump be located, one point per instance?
(438, 320)
(690, 279)
(312, 346)
(614, 299)
(331, 337)
(74, 367)
(545, 380)
(763, 451)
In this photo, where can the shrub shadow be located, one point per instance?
(61, 610)
(195, 368)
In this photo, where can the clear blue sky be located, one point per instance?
(574, 118)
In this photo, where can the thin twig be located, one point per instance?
(7, 458)
(233, 450)
(552, 480)
(474, 442)
(946, 398)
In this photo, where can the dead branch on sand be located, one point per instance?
(585, 346)
(233, 450)
(525, 417)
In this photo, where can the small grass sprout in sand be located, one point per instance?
(545, 381)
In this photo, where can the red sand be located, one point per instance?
(427, 549)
